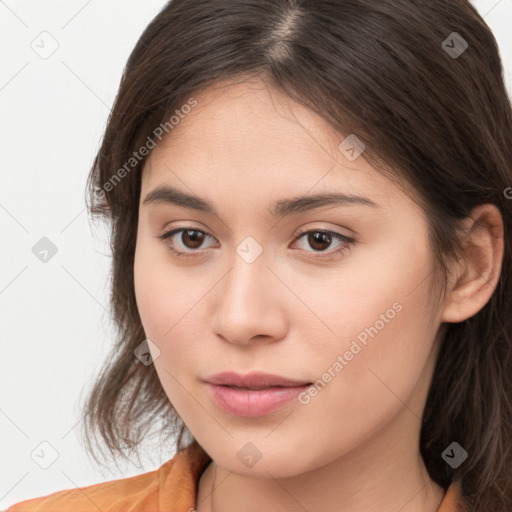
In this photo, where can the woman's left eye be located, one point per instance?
(318, 239)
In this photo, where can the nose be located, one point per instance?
(251, 304)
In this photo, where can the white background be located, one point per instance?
(54, 321)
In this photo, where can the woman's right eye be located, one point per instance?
(191, 236)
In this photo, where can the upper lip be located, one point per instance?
(253, 380)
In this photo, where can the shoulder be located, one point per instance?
(171, 485)
(121, 494)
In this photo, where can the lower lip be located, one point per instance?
(253, 403)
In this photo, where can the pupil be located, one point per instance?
(319, 237)
(196, 240)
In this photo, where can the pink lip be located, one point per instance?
(253, 380)
(253, 403)
(266, 392)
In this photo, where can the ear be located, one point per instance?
(478, 271)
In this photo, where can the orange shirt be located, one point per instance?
(170, 488)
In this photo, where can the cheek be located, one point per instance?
(168, 304)
(158, 290)
(383, 363)
(149, 293)
(163, 315)
(377, 325)
(155, 290)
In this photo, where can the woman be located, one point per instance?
(311, 221)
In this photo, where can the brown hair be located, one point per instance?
(437, 120)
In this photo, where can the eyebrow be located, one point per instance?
(165, 194)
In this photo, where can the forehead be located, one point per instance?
(247, 140)
(239, 121)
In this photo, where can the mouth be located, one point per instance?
(253, 395)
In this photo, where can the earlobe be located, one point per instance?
(478, 271)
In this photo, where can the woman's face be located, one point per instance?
(255, 294)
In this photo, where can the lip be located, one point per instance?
(264, 393)
(253, 380)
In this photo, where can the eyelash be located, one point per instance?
(349, 241)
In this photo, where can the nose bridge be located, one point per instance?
(247, 305)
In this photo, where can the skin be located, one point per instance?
(242, 148)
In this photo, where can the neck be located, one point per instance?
(352, 483)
